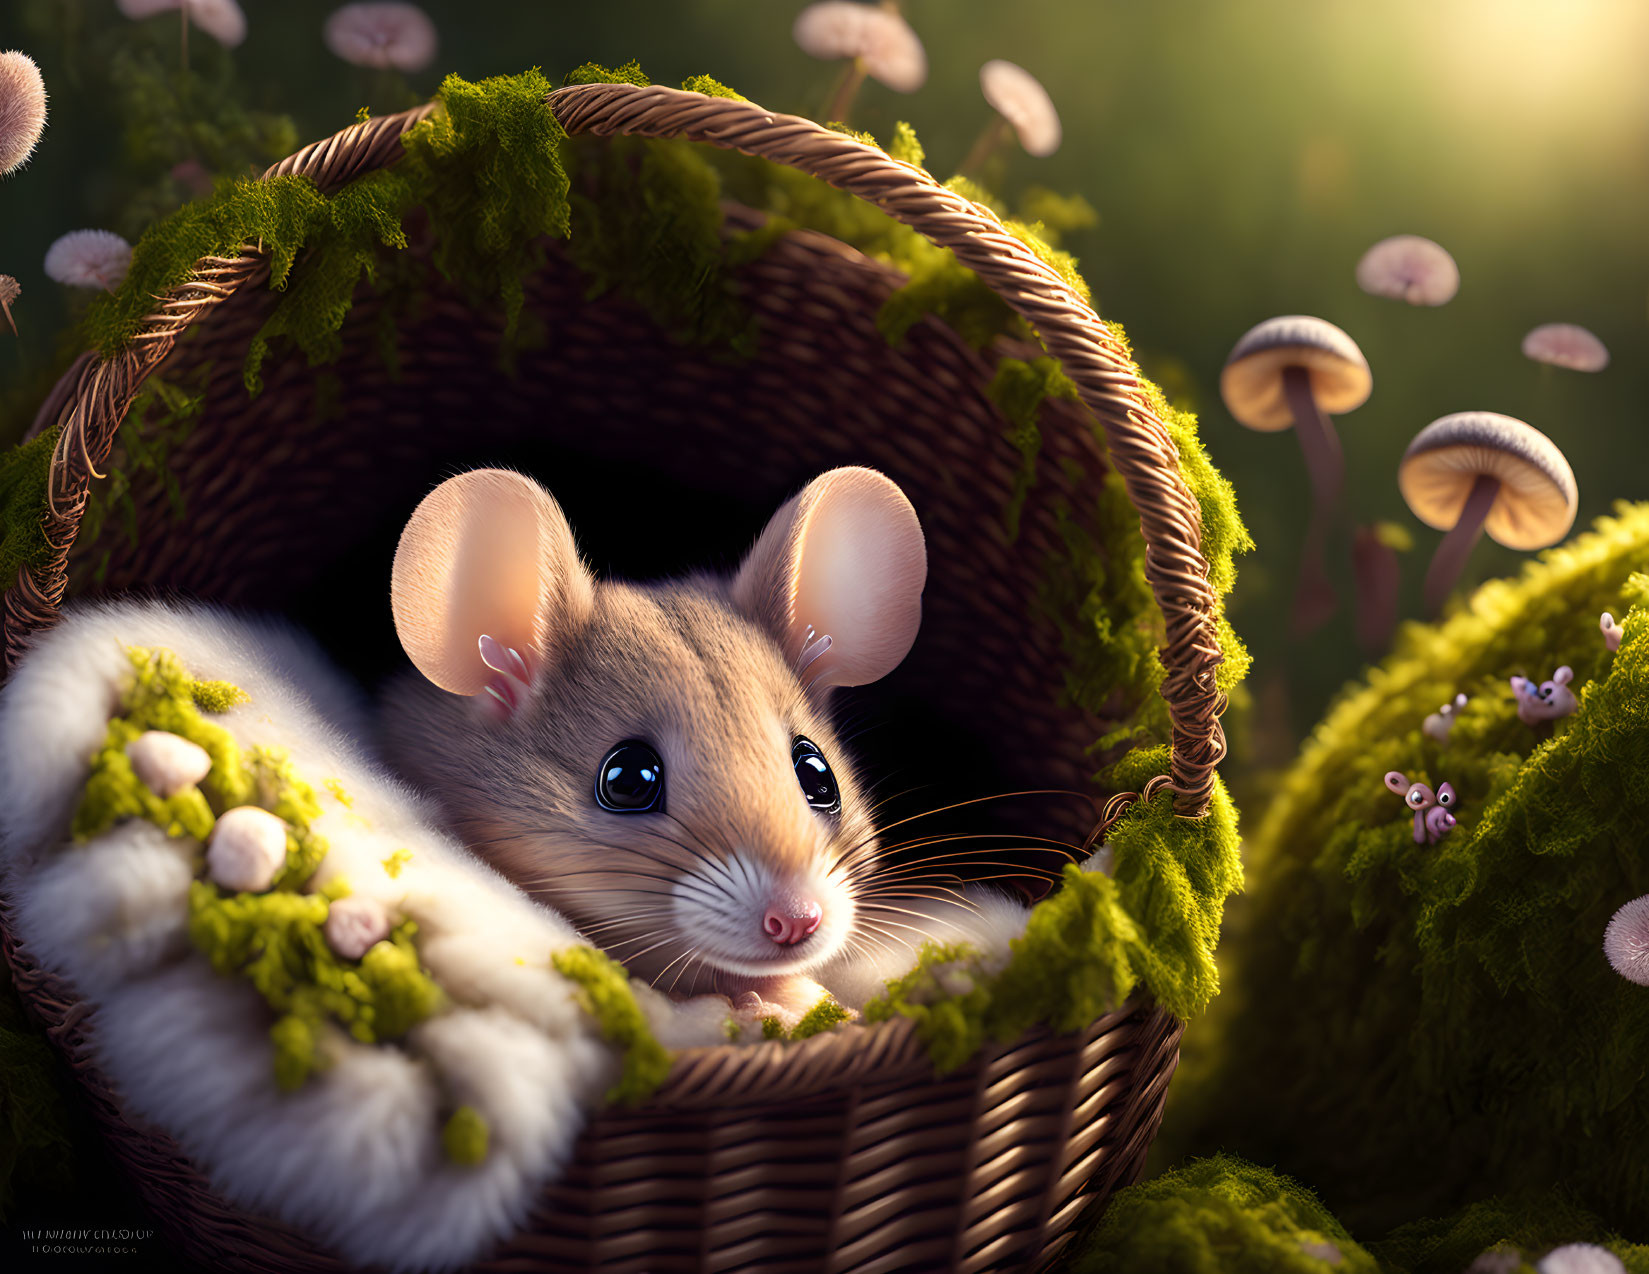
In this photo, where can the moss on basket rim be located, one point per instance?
(605, 990)
(1482, 954)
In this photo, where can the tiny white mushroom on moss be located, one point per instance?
(22, 109)
(385, 36)
(1626, 941)
(875, 42)
(1323, 1250)
(1612, 632)
(1566, 345)
(1407, 267)
(89, 259)
(1580, 1258)
(167, 763)
(247, 849)
(354, 925)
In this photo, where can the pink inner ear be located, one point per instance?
(475, 559)
(858, 576)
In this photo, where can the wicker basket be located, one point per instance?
(843, 1152)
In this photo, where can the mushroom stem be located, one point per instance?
(1457, 545)
(10, 321)
(1374, 564)
(1314, 598)
(994, 134)
(847, 88)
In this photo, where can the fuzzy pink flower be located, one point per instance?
(220, 19)
(22, 109)
(354, 925)
(89, 259)
(1626, 941)
(386, 36)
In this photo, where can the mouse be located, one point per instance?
(657, 760)
(1433, 811)
(1547, 700)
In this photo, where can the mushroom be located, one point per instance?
(354, 925)
(22, 109)
(1499, 1259)
(9, 292)
(878, 43)
(1626, 941)
(1480, 471)
(384, 36)
(220, 19)
(1409, 268)
(167, 763)
(89, 259)
(1566, 345)
(1022, 105)
(247, 849)
(1580, 1258)
(1295, 371)
(1612, 632)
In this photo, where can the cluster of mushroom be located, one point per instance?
(247, 848)
(1464, 474)
(1571, 1258)
(384, 36)
(877, 43)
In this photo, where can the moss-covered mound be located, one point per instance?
(1417, 1026)
(1524, 1228)
(1218, 1216)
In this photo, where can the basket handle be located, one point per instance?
(1104, 375)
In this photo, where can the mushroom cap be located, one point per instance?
(1018, 97)
(1409, 268)
(220, 19)
(892, 53)
(1566, 345)
(88, 259)
(387, 36)
(22, 109)
(1580, 1258)
(1252, 382)
(1537, 501)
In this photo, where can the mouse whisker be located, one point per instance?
(999, 796)
(947, 838)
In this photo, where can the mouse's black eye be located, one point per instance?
(631, 779)
(813, 773)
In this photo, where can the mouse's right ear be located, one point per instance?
(487, 555)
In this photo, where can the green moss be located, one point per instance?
(1154, 922)
(24, 472)
(824, 1016)
(905, 146)
(217, 696)
(465, 1136)
(606, 996)
(1218, 1216)
(393, 864)
(1057, 215)
(1019, 389)
(1530, 1225)
(1521, 1056)
(711, 88)
(773, 1029)
(595, 73)
(836, 126)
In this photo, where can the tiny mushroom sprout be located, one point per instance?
(22, 109)
(1438, 724)
(1611, 632)
(354, 925)
(1022, 107)
(1294, 372)
(385, 36)
(1480, 471)
(9, 292)
(1580, 1258)
(89, 259)
(1409, 268)
(1626, 941)
(220, 19)
(167, 763)
(1566, 345)
(875, 41)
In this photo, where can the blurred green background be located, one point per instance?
(1241, 154)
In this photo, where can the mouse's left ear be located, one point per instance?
(837, 578)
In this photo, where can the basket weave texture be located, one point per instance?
(842, 1152)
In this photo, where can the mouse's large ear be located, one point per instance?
(487, 554)
(837, 578)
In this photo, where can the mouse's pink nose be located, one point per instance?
(790, 924)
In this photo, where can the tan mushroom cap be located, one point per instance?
(1566, 345)
(1252, 382)
(1018, 97)
(892, 53)
(1538, 497)
(1407, 267)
